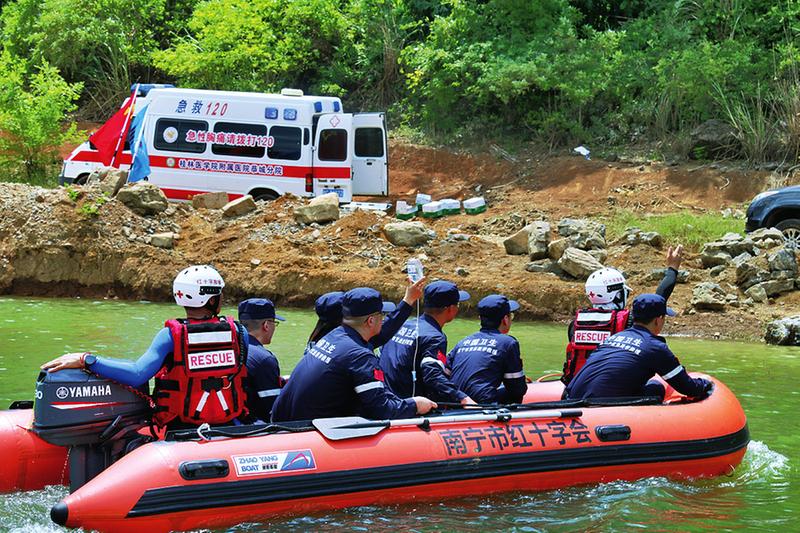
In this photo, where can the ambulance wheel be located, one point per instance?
(264, 195)
(81, 180)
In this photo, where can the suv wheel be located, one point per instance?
(791, 232)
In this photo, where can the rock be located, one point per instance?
(578, 263)
(717, 270)
(600, 254)
(538, 240)
(651, 238)
(461, 271)
(775, 287)
(517, 244)
(784, 331)
(108, 180)
(556, 248)
(757, 294)
(324, 208)
(316, 234)
(657, 274)
(408, 233)
(542, 265)
(766, 234)
(713, 259)
(255, 262)
(713, 139)
(572, 226)
(731, 244)
(741, 258)
(709, 296)
(783, 259)
(239, 207)
(163, 240)
(751, 272)
(210, 200)
(143, 198)
(634, 236)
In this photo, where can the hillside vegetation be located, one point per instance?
(551, 72)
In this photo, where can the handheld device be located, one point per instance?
(414, 269)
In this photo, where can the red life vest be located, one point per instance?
(203, 379)
(590, 328)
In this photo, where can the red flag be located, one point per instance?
(108, 140)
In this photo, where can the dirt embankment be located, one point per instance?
(47, 247)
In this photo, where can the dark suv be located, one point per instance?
(778, 208)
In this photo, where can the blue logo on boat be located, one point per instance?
(299, 460)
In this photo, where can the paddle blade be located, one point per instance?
(348, 427)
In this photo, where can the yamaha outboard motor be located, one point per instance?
(96, 418)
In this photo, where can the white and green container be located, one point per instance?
(432, 210)
(403, 211)
(451, 207)
(422, 199)
(476, 205)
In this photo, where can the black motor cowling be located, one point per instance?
(98, 419)
(73, 407)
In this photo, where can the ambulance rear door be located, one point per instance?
(370, 154)
(333, 146)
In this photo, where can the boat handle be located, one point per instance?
(212, 468)
(613, 433)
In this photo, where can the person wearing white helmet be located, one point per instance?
(198, 362)
(608, 293)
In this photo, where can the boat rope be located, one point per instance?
(205, 431)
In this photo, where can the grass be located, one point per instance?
(692, 230)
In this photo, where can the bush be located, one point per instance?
(33, 109)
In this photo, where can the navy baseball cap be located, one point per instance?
(257, 309)
(363, 301)
(646, 307)
(443, 293)
(496, 306)
(329, 306)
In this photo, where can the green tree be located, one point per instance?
(33, 107)
(104, 43)
(261, 45)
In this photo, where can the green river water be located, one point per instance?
(762, 494)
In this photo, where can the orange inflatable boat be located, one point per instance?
(217, 477)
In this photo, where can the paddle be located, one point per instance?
(350, 427)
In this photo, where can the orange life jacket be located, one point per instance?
(203, 379)
(591, 328)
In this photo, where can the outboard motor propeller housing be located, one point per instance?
(97, 418)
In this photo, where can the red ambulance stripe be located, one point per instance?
(188, 194)
(160, 161)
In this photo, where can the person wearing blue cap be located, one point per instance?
(329, 313)
(487, 365)
(339, 374)
(263, 370)
(413, 361)
(625, 362)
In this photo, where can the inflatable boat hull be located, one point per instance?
(170, 485)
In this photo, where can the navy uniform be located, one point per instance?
(263, 369)
(339, 374)
(414, 360)
(487, 365)
(624, 362)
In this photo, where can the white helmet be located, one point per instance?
(195, 286)
(606, 288)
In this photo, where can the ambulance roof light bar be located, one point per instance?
(291, 92)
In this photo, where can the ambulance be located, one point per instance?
(264, 145)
